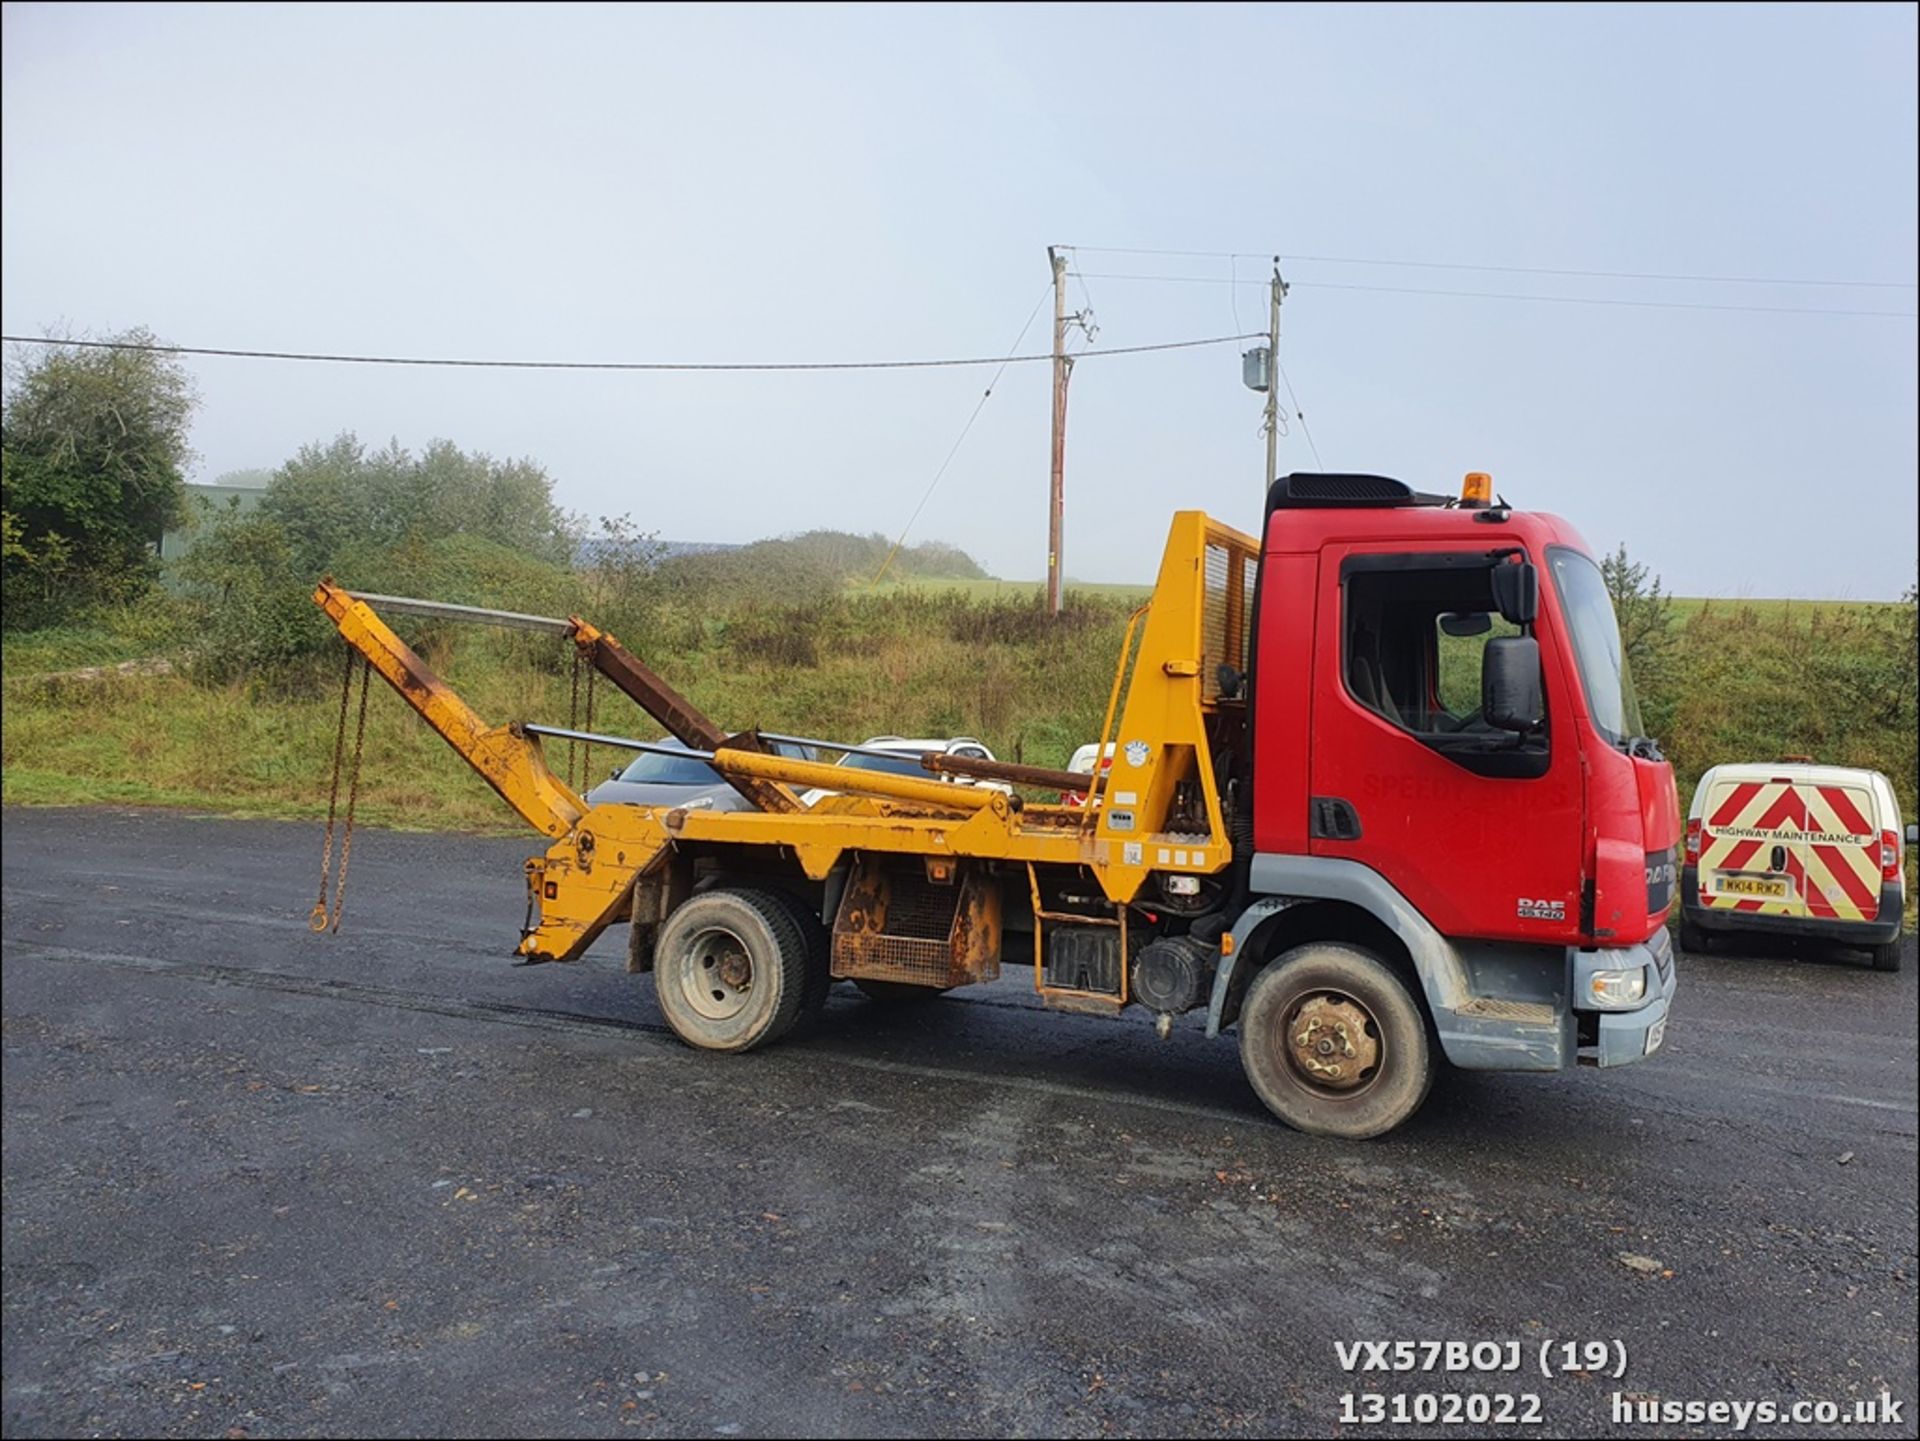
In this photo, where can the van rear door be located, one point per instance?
(1842, 852)
(1753, 847)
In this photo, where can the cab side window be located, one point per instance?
(1413, 640)
(1460, 638)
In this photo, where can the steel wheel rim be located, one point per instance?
(716, 976)
(1331, 1044)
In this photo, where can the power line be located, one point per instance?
(1546, 299)
(625, 365)
(960, 439)
(1611, 300)
(1176, 279)
(1298, 413)
(1503, 269)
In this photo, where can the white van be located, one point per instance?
(1798, 850)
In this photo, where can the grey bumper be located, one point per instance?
(1624, 1037)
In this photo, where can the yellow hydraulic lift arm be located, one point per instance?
(505, 756)
(683, 720)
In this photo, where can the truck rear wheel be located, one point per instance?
(1693, 938)
(819, 943)
(730, 970)
(1886, 956)
(1334, 1044)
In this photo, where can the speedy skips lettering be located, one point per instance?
(1778, 848)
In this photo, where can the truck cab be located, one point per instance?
(1449, 775)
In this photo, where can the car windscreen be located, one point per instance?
(658, 768)
(897, 765)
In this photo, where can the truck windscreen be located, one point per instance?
(1596, 644)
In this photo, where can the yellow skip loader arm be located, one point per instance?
(1159, 811)
(506, 757)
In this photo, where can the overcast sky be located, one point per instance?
(712, 184)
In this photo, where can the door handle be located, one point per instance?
(1332, 819)
(1779, 858)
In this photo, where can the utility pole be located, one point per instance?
(1279, 293)
(1056, 497)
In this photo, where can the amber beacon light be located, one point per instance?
(1476, 489)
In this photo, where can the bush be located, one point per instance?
(93, 446)
(1840, 684)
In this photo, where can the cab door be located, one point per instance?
(1753, 847)
(1482, 831)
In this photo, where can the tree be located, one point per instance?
(1645, 613)
(95, 446)
(456, 525)
(340, 502)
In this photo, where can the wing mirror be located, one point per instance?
(1516, 590)
(1466, 622)
(1913, 835)
(1510, 697)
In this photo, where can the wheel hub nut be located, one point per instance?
(1330, 1043)
(735, 970)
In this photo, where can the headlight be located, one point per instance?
(1618, 988)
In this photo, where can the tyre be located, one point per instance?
(1334, 1043)
(1693, 938)
(1886, 957)
(813, 995)
(730, 970)
(897, 992)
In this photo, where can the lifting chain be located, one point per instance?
(580, 778)
(586, 747)
(573, 721)
(321, 918)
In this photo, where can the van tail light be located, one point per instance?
(1889, 855)
(1693, 841)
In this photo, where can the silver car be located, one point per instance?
(681, 781)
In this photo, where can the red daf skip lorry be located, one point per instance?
(1379, 797)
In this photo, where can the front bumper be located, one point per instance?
(1523, 1015)
(1623, 1037)
(1885, 926)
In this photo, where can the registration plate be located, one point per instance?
(1656, 1033)
(1751, 886)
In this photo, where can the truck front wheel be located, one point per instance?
(730, 970)
(1334, 1044)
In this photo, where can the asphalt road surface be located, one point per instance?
(260, 1182)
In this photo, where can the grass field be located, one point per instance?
(990, 588)
(901, 663)
(1741, 679)
(1684, 607)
